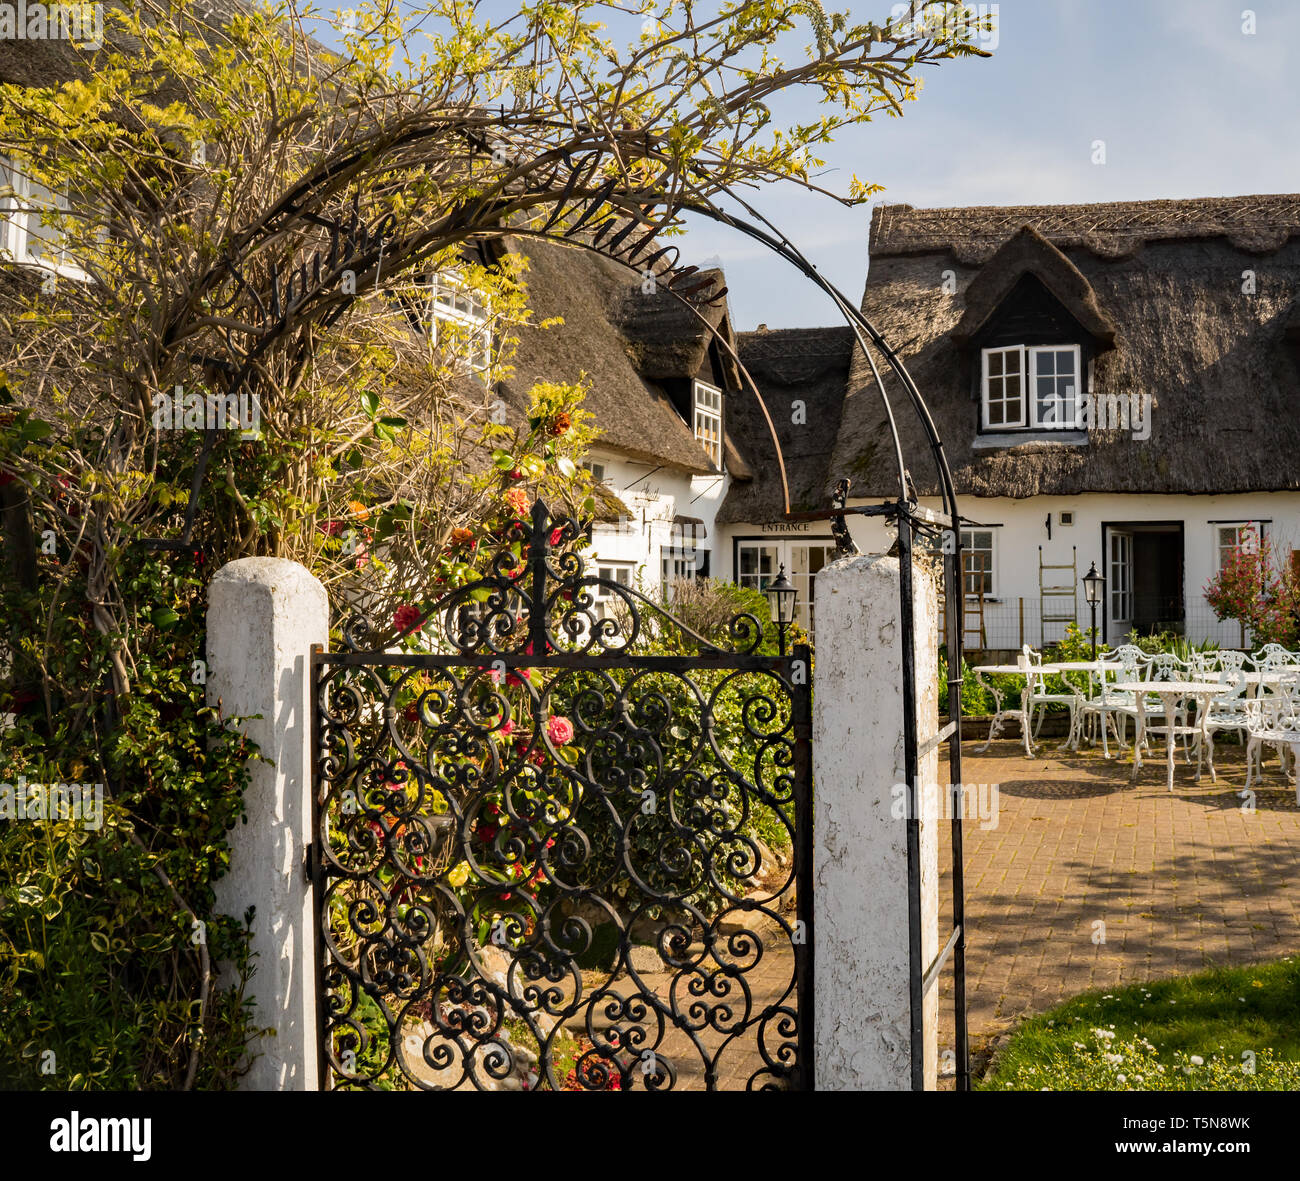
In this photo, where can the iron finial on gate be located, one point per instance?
(844, 547)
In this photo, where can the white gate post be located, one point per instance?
(264, 614)
(860, 897)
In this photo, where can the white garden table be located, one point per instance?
(1000, 715)
(1170, 694)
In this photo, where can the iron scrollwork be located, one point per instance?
(551, 858)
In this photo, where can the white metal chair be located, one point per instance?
(1272, 657)
(1226, 712)
(1038, 697)
(1274, 720)
(1131, 664)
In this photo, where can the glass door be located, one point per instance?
(1121, 583)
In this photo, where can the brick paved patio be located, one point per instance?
(1182, 881)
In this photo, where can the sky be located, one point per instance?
(1187, 102)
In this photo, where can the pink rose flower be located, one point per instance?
(559, 731)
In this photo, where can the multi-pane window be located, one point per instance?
(757, 565)
(462, 318)
(708, 420)
(618, 572)
(1036, 387)
(34, 222)
(1054, 378)
(1004, 394)
(597, 470)
(977, 561)
(1232, 540)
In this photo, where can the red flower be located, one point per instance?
(6, 477)
(559, 730)
(412, 713)
(516, 474)
(487, 832)
(517, 499)
(521, 675)
(560, 423)
(556, 534)
(407, 618)
(332, 528)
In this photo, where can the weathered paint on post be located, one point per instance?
(860, 923)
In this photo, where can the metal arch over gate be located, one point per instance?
(547, 858)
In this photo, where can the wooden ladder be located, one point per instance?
(972, 623)
(1056, 611)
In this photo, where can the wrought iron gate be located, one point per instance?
(565, 845)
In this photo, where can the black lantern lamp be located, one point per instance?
(781, 596)
(1094, 586)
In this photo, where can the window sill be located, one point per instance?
(1005, 440)
(62, 270)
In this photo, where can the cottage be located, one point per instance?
(1114, 384)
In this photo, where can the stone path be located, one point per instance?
(1182, 881)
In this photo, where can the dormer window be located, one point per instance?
(1031, 387)
(455, 306)
(708, 420)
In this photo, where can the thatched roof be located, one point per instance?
(806, 364)
(610, 330)
(667, 338)
(1029, 253)
(1217, 363)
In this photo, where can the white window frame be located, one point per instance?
(453, 301)
(1260, 528)
(15, 211)
(1028, 361)
(783, 554)
(623, 573)
(676, 562)
(706, 413)
(985, 355)
(1069, 421)
(758, 580)
(968, 547)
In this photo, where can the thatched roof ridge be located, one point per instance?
(1028, 252)
(1254, 224)
(1222, 376)
(805, 364)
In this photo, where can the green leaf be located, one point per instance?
(164, 617)
(370, 404)
(99, 941)
(567, 466)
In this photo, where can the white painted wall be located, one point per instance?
(1021, 529)
(655, 497)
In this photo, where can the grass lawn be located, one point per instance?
(1227, 1029)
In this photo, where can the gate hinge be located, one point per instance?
(308, 864)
